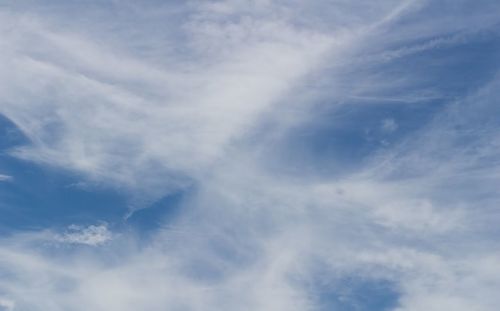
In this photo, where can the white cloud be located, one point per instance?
(252, 236)
(137, 125)
(92, 235)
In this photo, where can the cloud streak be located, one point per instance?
(5, 177)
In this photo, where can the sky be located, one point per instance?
(249, 155)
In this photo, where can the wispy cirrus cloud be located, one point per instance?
(252, 101)
(139, 121)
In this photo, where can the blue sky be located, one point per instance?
(249, 155)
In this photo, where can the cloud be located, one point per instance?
(5, 177)
(92, 235)
(216, 103)
(138, 126)
(389, 125)
(6, 304)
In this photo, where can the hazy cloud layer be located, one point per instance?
(323, 144)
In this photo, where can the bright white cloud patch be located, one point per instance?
(267, 112)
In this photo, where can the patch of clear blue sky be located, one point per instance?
(358, 294)
(354, 292)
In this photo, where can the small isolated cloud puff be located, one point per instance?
(389, 125)
(92, 235)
